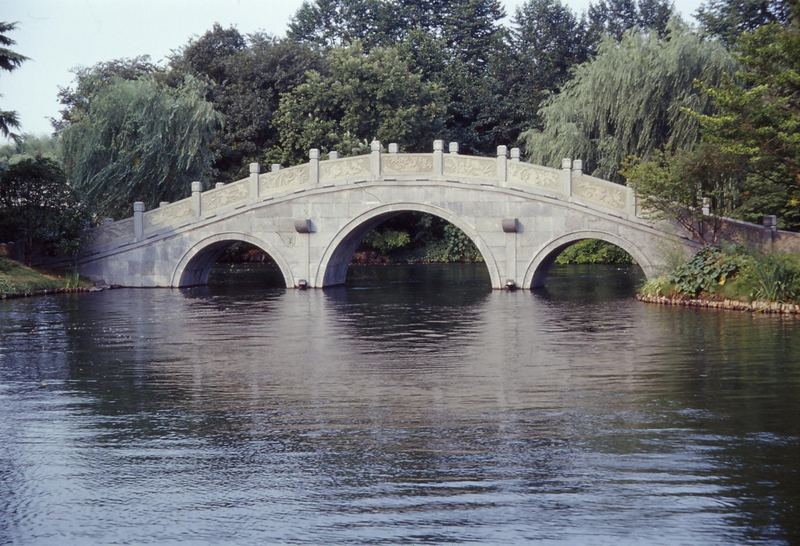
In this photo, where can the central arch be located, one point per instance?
(332, 268)
(195, 265)
(544, 258)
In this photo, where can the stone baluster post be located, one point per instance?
(438, 158)
(502, 165)
(274, 167)
(630, 201)
(393, 148)
(515, 154)
(219, 185)
(453, 148)
(375, 159)
(255, 171)
(770, 222)
(138, 221)
(197, 198)
(313, 166)
(566, 176)
(333, 155)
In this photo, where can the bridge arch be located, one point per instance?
(332, 268)
(543, 259)
(193, 268)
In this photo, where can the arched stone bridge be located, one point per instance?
(311, 217)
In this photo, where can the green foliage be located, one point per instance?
(89, 81)
(758, 121)
(386, 241)
(550, 40)
(732, 273)
(244, 78)
(615, 17)
(28, 146)
(728, 19)
(670, 186)
(632, 99)
(459, 47)
(776, 278)
(139, 140)
(9, 60)
(19, 280)
(709, 267)
(454, 247)
(593, 251)
(361, 97)
(38, 208)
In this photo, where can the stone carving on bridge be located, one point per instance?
(397, 164)
(598, 191)
(225, 196)
(293, 176)
(532, 175)
(168, 216)
(340, 169)
(473, 167)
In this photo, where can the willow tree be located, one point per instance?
(139, 140)
(635, 98)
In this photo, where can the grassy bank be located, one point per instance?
(731, 276)
(19, 280)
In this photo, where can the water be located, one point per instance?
(397, 410)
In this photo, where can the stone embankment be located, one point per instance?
(732, 305)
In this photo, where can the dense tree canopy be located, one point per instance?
(139, 140)
(359, 97)
(38, 208)
(728, 19)
(244, 79)
(634, 98)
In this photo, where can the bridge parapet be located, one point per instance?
(568, 183)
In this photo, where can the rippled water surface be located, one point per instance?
(415, 405)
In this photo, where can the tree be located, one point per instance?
(139, 140)
(634, 98)
(9, 61)
(91, 80)
(38, 208)
(360, 97)
(757, 118)
(729, 19)
(548, 40)
(341, 23)
(471, 42)
(244, 79)
(672, 186)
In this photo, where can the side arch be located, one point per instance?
(538, 267)
(332, 267)
(194, 266)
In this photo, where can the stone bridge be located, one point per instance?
(310, 218)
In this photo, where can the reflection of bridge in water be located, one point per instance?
(310, 218)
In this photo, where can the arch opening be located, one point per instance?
(226, 261)
(406, 246)
(585, 264)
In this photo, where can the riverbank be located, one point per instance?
(730, 278)
(18, 280)
(769, 307)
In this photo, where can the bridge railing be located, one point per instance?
(506, 170)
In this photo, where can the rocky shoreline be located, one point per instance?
(730, 305)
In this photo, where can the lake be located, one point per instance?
(414, 405)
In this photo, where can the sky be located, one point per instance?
(60, 35)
